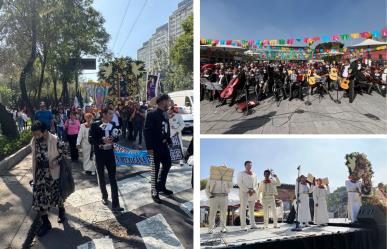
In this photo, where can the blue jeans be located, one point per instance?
(60, 132)
(21, 124)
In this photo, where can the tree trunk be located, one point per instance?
(43, 60)
(30, 63)
(55, 81)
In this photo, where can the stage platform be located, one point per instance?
(282, 237)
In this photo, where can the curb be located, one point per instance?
(10, 161)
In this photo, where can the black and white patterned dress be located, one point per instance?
(46, 192)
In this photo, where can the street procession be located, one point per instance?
(96, 136)
(186, 124)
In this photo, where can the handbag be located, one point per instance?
(67, 185)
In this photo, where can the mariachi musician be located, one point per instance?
(356, 77)
(240, 74)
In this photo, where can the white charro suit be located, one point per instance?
(267, 193)
(247, 182)
(217, 193)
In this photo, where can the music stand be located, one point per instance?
(337, 101)
(298, 227)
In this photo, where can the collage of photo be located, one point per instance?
(187, 124)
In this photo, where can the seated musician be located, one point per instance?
(296, 87)
(241, 86)
(220, 83)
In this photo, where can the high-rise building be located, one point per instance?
(143, 54)
(185, 8)
(164, 35)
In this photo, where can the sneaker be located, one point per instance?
(244, 228)
(224, 230)
(253, 227)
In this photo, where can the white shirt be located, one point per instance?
(345, 71)
(115, 119)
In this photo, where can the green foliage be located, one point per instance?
(10, 146)
(65, 30)
(179, 69)
(203, 183)
(8, 96)
(182, 51)
(337, 202)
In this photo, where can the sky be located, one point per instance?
(320, 157)
(155, 13)
(281, 19)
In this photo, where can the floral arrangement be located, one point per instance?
(359, 167)
(122, 75)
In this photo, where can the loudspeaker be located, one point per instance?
(371, 214)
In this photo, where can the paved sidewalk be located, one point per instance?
(143, 224)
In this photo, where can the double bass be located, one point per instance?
(230, 88)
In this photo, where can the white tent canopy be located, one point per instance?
(368, 42)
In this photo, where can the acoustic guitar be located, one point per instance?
(312, 79)
(333, 74)
(344, 84)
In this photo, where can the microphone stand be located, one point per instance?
(298, 227)
(247, 86)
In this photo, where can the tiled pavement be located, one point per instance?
(366, 115)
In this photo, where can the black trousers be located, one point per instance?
(138, 130)
(124, 127)
(105, 158)
(130, 130)
(73, 146)
(159, 177)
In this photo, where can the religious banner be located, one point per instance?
(100, 94)
(175, 149)
(122, 74)
(152, 86)
(128, 157)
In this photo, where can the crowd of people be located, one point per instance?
(265, 192)
(95, 132)
(285, 79)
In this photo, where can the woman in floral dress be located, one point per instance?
(47, 156)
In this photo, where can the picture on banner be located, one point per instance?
(100, 93)
(151, 86)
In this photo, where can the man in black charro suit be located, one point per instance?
(158, 139)
(103, 133)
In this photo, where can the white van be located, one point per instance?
(184, 101)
